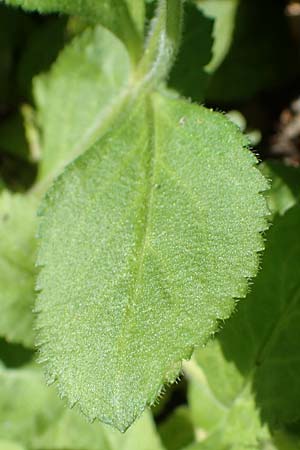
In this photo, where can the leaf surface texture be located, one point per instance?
(147, 239)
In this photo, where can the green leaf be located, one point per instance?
(13, 27)
(146, 240)
(177, 431)
(12, 137)
(32, 415)
(250, 375)
(37, 55)
(208, 30)
(14, 355)
(224, 13)
(137, 10)
(77, 95)
(71, 430)
(188, 75)
(280, 441)
(93, 68)
(26, 405)
(268, 324)
(119, 16)
(142, 436)
(9, 445)
(284, 191)
(286, 441)
(223, 408)
(249, 66)
(222, 405)
(17, 273)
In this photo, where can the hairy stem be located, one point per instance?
(162, 43)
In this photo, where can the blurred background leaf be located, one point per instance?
(261, 55)
(223, 12)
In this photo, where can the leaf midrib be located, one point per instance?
(139, 82)
(147, 221)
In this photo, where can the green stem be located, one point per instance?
(162, 43)
(161, 48)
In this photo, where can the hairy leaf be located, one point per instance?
(17, 272)
(122, 17)
(146, 240)
(78, 94)
(34, 416)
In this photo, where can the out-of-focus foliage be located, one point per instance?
(261, 56)
(223, 13)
